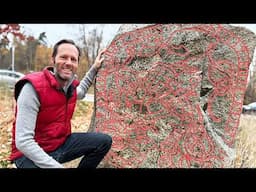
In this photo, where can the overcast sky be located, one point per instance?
(55, 32)
(252, 27)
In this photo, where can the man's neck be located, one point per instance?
(63, 82)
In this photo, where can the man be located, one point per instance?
(45, 102)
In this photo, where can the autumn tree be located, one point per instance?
(90, 43)
(20, 57)
(7, 33)
(6, 30)
(42, 58)
(32, 45)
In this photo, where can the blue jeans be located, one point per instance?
(92, 146)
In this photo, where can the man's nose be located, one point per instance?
(68, 61)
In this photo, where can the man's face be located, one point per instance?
(66, 61)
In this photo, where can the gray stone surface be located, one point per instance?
(171, 95)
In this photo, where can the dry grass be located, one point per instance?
(245, 140)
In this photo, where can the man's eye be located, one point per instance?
(73, 60)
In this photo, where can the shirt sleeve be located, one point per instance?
(27, 109)
(85, 83)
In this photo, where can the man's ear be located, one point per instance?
(52, 61)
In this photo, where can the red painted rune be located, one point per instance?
(171, 95)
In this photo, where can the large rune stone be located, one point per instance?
(171, 95)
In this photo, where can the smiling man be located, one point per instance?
(46, 101)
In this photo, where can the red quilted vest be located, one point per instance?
(53, 123)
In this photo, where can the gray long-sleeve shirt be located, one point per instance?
(27, 110)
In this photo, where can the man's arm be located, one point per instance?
(86, 82)
(28, 107)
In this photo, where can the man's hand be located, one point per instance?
(99, 59)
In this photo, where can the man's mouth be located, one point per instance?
(67, 71)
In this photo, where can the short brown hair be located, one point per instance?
(69, 41)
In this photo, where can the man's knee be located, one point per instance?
(107, 140)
